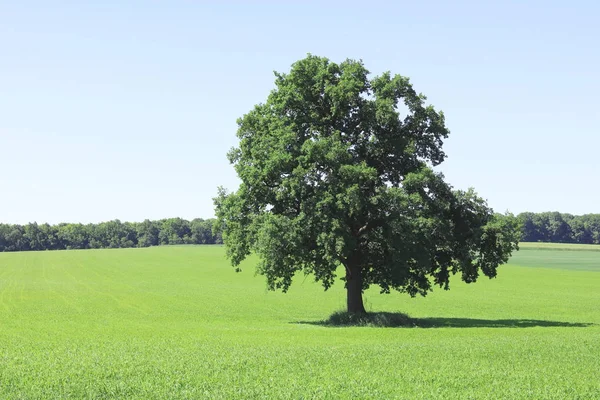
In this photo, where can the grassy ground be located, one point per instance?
(177, 322)
(559, 255)
(559, 246)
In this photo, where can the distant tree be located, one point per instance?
(34, 237)
(579, 232)
(558, 229)
(147, 233)
(530, 229)
(174, 231)
(543, 226)
(592, 224)
(332, 174)
(4, 230)
(201, 231)
(128, 235)
(74, 236)
(114, 234)
(50, 235)
(17, 239)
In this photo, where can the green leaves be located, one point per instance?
(334, 171)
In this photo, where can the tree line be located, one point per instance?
(111, 234)
(536, 227)
(560, 228)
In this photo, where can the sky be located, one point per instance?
(126, 109)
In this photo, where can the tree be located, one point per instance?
(174, 231)
(4, 231)
(530, 229)
(592, 224)
(542, 223)
(201, 231)
(559, 229)
(17, 239)
(579, 231)
(34, 236)
(73, 236)
(49, 234)
(147, 233)
(333, 175)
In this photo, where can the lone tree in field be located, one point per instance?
(336, 170)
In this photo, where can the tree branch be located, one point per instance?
(369, 226)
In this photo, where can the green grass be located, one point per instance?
(583, 257)
(177, 322)
(558, 246)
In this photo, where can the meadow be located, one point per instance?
(179, 323)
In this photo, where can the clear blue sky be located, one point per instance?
(126, 109)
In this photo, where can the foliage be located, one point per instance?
(110, 234)
(336, 169)
(558, 227)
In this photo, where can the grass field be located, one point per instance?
(177, 322)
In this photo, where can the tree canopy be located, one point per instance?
(560, 227)
(336, 170)
(110, 234)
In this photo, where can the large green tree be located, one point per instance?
(336, 170)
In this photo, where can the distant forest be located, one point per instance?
(537, 227)
(111, 234)
(560, 228)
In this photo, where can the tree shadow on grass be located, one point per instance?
(400, 320)
(495, 323)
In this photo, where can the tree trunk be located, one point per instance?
(354, 291)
